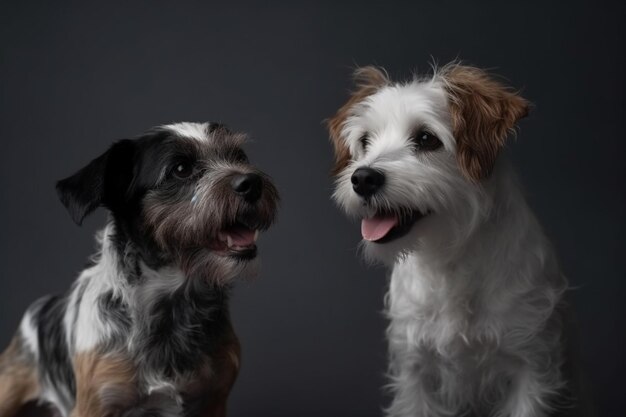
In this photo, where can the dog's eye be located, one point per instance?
(426, 141)
(364, 140)
(182, 170)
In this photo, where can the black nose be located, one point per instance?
(366, 181)
(249, 186)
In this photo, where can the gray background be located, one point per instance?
(76, 77)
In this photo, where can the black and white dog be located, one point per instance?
(145, 329)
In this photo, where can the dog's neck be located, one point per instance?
(161, 309)
(504, 273)
(131, 264)
(503, 232)
(121, 268)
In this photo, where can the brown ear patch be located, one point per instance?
(483, 113)
(105, 384)
(367, 80)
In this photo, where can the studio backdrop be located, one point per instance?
(76, 76)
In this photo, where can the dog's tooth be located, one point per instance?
(229, 241)
(256, 235)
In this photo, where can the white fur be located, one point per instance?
(197, 131)
(91, 328)
(29, 334)
(474, 285)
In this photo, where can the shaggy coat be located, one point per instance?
(145, 330)
(475, 300)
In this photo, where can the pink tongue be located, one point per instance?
(377, 227)
(241, 236)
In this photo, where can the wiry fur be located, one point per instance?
(475, 300)
(145, 330)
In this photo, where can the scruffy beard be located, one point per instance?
(211, 232)
(203, 264)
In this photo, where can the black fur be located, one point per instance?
(54, 361)
(103, 182)
(184, 326)
(215, 126)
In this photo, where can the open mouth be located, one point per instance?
(238, 241)
(385, 227)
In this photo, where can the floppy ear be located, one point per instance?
(101, 183)
(484, 112)
(367, 80)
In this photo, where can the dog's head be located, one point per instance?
(412, 158)
(182, 194)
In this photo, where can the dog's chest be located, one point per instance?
(194, 390)
(425, 311)
(184, 346)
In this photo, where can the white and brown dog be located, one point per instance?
(145, 330)
(476, 294)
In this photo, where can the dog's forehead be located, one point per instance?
(208, 134)
(392, 114)
(402, 103)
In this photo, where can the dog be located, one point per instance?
(476, 295)
(145, 330)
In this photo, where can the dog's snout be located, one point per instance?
(249, 186)
(367, 181)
